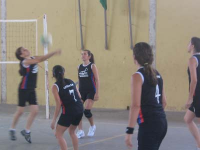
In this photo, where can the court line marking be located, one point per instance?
(99, 141)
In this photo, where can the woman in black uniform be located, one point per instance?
(89, 89)
(193, 102)
(26, 92)
(148, 102)
(66, 96)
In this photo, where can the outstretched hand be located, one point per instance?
(58, 52)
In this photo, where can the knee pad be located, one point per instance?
(87, 113)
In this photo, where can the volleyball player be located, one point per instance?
(26, 91)
(66, 96)
(89, 89)
(147, 102)
(193, 101)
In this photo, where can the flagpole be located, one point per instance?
(106, 29)
(80, 21)
(130, 24)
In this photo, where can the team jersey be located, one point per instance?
(151, 98)
(29, 79)
(197, 90)
(86, 78)
(70, 100)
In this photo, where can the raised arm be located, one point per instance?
(38, 59)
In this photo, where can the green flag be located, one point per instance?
(104, 4)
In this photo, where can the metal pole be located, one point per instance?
(106, 29)
(152, 28)
(130, 24)
(46, 70)
(3, 52)
(80, 21)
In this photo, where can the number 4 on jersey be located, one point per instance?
(72, 92)
(157, 94)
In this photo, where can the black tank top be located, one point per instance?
(29, 79)
(197, 90)
(151, 98)
(86, 78)
(70, 101)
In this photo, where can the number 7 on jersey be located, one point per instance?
(72, 92)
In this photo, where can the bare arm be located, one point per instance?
(39, 59)
(78, 92)
(192, 67)
(96, 76)
(164, 101)
(58, 104)
(136, 90)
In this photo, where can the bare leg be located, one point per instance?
(32, 115)
(18, 113)
(80, 126)
(73, 136)
(189, 116)
(59, 135)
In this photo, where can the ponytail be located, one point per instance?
(91, 56)
(60, 78)
(18, 56)
(151, 74)
(58, 73)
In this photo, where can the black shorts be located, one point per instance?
(151, 133)
(195, 106)
(27, 95)
(67, 120)
(87, 95)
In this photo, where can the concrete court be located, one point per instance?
(109, 134)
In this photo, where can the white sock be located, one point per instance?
(27, 131)
(11, 129)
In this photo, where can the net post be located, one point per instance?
(36, 37)
(46, 70)
(3, 52)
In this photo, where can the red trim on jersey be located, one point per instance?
(24, 82)
(94, 81)
(63, 107)
(141, 116)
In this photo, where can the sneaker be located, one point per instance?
(80, 134)
(92, 130)
(12, 135)
(27, 136)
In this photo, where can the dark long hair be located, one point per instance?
(196, 42)
(17, 54)
(90, 54)
(58, 73)
(144, 55)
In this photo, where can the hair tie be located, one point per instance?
(145, 64)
